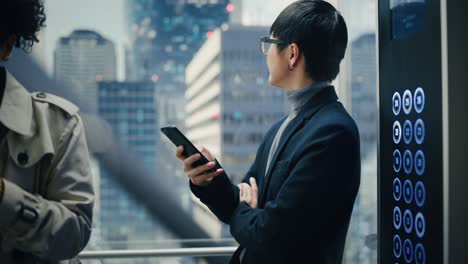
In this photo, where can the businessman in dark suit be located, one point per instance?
(295, 202)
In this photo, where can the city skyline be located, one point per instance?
(82, 59)
(130, 108)
(107, 17)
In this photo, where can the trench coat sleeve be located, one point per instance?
(59, 226)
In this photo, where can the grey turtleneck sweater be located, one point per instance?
(296, 99)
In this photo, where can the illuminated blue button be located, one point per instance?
(420, 225)
(407, 131)
(408, 161)
(407, 102)
(396, 160)
(397, 246)
(420, 254)
(420, 194)
(396, 132)
(396, 103)
(419, 131)
(408, 251)
(408, 221)
(397, 217)
(419, 100)
(408, 191)
(419, 162)
(397, 189)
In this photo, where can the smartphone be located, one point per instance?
(179, 139)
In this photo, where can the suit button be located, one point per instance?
(41, 95)
(23, 158)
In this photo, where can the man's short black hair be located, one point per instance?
(320, 32)
(23, 19)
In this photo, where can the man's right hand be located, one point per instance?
(197, 175)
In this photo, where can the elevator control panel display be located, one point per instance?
(407, 17)
(410, 185)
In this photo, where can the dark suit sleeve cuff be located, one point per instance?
(217, 185)
(197, 190)
(221, 196)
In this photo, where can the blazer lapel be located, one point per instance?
(287, 134)
(324, 97)
(266, 149)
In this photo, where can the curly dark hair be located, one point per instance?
(23, 19)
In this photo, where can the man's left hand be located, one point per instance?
(249, 193)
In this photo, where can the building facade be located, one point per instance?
(230, 105)
(363, 90)
(82, 59)
(164, 36)
(131, 110)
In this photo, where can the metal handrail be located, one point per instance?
(220, 242)
(160, 253)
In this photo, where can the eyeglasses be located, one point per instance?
(265, 44)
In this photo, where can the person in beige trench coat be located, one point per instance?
(46, 193)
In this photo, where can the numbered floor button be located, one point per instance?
(407, 102)
(396, 103)
(419, 131)
(408, 221)
(408, 191)
(397, 189)
(397, 217)
(396, 160)
(420, 254)
(420, 225)
(419, 163)
(420, 194)
(408, 251)
(407, 131)
(419, 100)
(396, 132)
(397, 246)
(408, 161)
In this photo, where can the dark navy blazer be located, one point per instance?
(307, 196)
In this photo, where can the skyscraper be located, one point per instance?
(364, 91)
(364, 112)
(171, 112)
(360, 19)
(357, 88)
(81, 59)
(130, 109)
(164, 36)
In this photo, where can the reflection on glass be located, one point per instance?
(190, 64)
